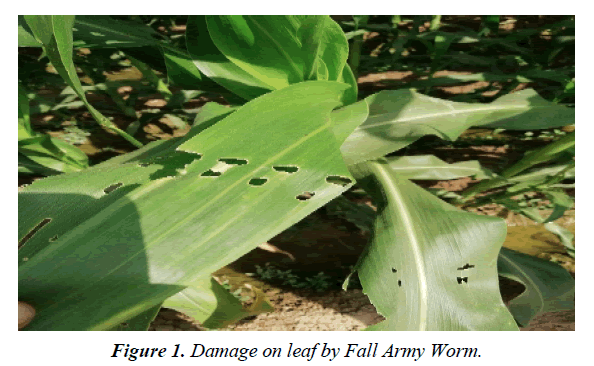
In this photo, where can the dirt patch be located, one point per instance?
(332, 311)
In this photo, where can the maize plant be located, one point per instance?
(105, 247)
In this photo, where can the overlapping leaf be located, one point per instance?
(429, 265)
(213, 306)
(549, 152)
(153, 225)
(430, 167)
(42, 154)
(210, 61)
(398, 118)
(251, 55)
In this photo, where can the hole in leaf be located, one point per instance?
(466, 266)
(394, 270)
(462, 279)
(112, 188)
(144, 165)
(33, 232)
(285, 168)
(399, 283)
(257, 181)
(210, 173)
(53, 238)
(338, 180)
(305, 196)
(232, 161)
(125, 325)
(174, 164)
(510, 289)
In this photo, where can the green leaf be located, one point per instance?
(324, 45)
(265, 46)
(213, 306)
(100, 31)
(346, 119)
(156, 223)
(140, 322)
(429, 266)
(549, 287)
(212, 63)
(551, 151)
(42, 154)
(53, 155)
(347, 77)
(26, 38)
(490, 25)
(398, 118)
(526, 110)
(182, 72)
(432, 168)
(561, 201)
(250, 55)
(564, 235)
(54, 32)
(25, 130)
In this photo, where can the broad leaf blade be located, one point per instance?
(26, 38)
(250, 55)
(265, 46)
(398, 118)
(182, 72)
(212, 63)
(346, 119)
(172, 220)
(324, 46)
(430, 266)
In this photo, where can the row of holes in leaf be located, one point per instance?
(46, 221)
(460, 280)
(227, 163)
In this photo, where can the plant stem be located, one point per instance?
(150, 75)
(357, 43)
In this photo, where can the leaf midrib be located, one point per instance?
(433, 115)
(148, 189)
(526, 278)
(278, 46)
(393, 193)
